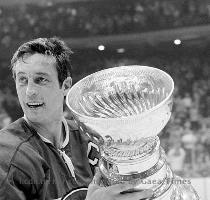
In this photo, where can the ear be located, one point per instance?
(67, 83)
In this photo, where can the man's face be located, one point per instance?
(37, 85)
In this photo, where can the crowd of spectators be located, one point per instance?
(102, 17)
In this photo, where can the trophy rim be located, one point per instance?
(123, 117)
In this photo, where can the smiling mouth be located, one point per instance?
(34, 105)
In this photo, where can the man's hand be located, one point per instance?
(114, 192)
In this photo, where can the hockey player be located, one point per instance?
(43, 156)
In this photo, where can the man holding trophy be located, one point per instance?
(46, 157)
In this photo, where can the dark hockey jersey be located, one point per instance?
(31, 168)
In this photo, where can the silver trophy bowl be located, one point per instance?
(128, 106)
(122, 102)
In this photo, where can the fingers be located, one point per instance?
(144, 194)
(123, 191)
(126, 191)
(118, 188)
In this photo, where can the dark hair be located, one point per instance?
(48, 46)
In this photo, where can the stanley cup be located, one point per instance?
(128, 106)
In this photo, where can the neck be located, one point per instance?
(52, 131)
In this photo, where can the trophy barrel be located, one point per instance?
(149, 171)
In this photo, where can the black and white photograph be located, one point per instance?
(104, 99)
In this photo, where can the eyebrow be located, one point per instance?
(21, 73)
(42, 74)
(38, 73)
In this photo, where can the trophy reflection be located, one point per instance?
(129, 106)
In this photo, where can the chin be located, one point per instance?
(35, 118)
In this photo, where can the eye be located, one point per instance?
(22, 80)
(41, 80)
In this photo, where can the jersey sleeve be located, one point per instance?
(85, 156)
(92, 150)
(82, 141)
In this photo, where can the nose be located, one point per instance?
(31, 89)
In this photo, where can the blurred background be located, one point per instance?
(171, 35)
